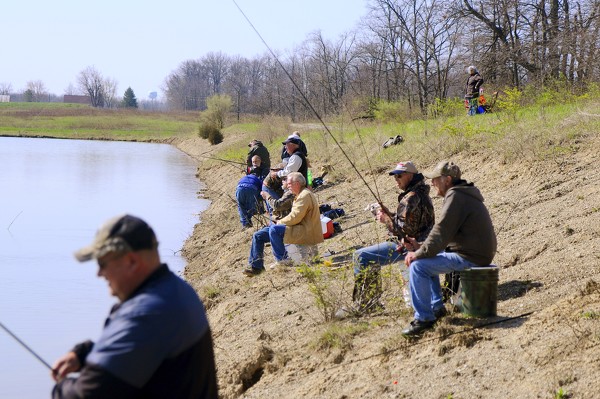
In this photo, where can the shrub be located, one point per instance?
(205, 130)
(215, 136)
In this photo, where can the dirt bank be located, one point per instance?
(272, 341)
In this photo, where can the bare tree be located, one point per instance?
(238, 83)
(38, 91)
(109, 92)
(5, 88)
(91, 82)
(187, 87)
(217, 67)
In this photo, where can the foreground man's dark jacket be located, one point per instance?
(156, 344)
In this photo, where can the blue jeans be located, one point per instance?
(425, 289)
(276, 233)
(247, 199)
(380, 254)
(367, 278)
(473, 105)
(273, 194)
(257, 250)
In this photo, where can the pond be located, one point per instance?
(55, 194)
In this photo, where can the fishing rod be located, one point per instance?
(26, 347)
(223, 160)
(308, 103)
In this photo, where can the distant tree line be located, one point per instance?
(410, 51)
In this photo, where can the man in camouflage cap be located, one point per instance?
(414, 217)
(463, 237)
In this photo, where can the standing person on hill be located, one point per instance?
(156, 342)
(302, 226)
(474, 82)
(463, 237)
(297, 161)
(414, 217)
(257, 148)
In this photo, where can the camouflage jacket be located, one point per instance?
(282, 206)
(415, 215)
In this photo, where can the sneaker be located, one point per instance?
(439, 313)
(416, 327)
(251, 272)
(282, 264)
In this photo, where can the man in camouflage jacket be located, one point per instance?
(414, 218)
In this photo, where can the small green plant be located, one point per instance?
(340, 336)
(591, 315)
(561, 394)
(511, 102)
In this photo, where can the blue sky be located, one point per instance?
(139, 42)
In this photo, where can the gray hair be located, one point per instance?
(297, 176)
(472, 69)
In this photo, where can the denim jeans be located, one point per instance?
(273, 194)
(276, 233)
(473, 105)
(257, 250)
(380, 254)
(247, 199)
(425, 288)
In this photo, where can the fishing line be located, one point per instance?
(308, 103)
(26, 347)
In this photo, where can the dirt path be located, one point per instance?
(272, 341)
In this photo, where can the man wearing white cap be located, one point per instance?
(156, 341)
(414, 217)
(463, 237)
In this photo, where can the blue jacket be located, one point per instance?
(155, 344)
(250, 181)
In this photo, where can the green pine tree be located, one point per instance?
(129, 100)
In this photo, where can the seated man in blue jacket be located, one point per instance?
(156, 342)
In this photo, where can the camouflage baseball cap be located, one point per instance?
(444, 168)
(120, 234)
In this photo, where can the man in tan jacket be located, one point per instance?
(302, 226)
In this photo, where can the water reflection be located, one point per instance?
(55, 194)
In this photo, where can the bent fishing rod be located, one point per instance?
(308, 103)
(38, 357)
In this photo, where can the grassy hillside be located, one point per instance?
(536, 166)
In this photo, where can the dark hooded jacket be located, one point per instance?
(464, 227)
(259, 149)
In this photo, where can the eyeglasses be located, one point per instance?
(103, 263)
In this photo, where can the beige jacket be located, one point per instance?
(304, 221)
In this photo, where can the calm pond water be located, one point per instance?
(54, 196)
